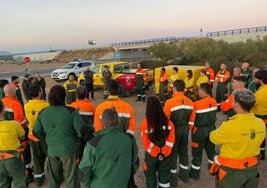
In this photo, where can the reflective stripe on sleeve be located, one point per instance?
(206, 110)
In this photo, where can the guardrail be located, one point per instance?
(147, 41)
(237, 31)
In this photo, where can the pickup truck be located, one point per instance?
(75, 67)
(122, 73)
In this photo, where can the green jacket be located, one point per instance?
(60, 126)
(109, 159)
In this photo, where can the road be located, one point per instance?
(7, 75)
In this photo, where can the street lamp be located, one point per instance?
(92, 43)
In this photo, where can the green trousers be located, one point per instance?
(62, 166)
(12, 169)
(221, 92)
(39, 150)
(156, 167)
(180, 149)
(200, 141)
(140, 89)
(245, 178)
(162, 92)
(70, 97)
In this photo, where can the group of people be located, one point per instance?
(92, 146)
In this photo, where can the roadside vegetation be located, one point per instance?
(197, 51)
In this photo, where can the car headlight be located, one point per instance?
(65, 72)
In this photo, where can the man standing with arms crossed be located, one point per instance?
(39, 147)
(140, 85)
(240, 137)
(178, 109)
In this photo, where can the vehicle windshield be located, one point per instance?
(69, 66)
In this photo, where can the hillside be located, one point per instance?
(86, 54)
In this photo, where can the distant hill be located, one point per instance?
(4, 53)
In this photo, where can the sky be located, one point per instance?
(36, 25)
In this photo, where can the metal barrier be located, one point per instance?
(237, 31)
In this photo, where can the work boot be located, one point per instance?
(184, 175)
(194, 174)
(173, 180)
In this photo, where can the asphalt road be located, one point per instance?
(7, 75)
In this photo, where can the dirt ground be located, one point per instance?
(205, 180)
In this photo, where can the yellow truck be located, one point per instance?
(121, 72)
(182, 73)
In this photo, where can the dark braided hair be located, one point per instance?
(156, 119)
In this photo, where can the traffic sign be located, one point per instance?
(27, 60)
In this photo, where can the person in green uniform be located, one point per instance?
(70, 85)
(60, 126)
(254, 84)
(111, 157)
(140, 83)
(12, 168)
(107, 77)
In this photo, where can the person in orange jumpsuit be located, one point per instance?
(124, 110)
(222, 78)
(178, 109)
(163, 82)
(204, 118)
(158, 136)
(209, 73)
(86, 109)
(140, 83)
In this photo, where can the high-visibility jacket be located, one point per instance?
(204, 112)
(222, 76)
(124, 110)
(260, 106)
(210, 74)
(141, 75)
(240, 136)
(202, 79)
(172, 78)
(178, 109)
(14, 110)
(152, 148)
(86, 109)
(228, 104)
(32, 109)
(70, 86)
(163, 78)
(10, 132)
(189, 83)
